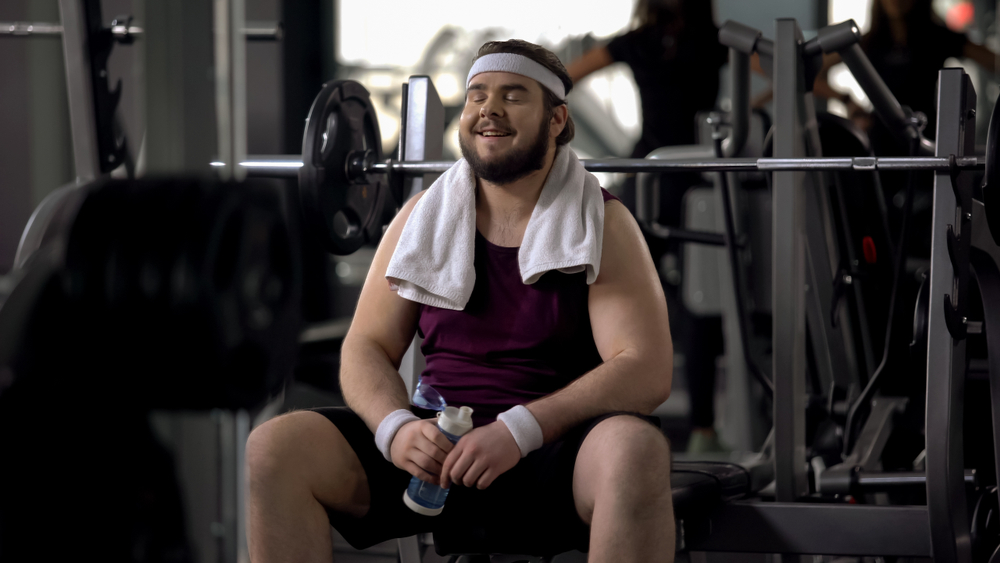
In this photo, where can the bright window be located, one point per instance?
(395, 32)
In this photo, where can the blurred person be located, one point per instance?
(907, 44)
(674, 53)
(675, 56)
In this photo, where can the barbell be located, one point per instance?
(288, 167)
(349, 192)
(123, 31)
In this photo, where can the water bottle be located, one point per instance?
(427, 498)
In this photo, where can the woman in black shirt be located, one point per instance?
(675, 56)
(907, 44)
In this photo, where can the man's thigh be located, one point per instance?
(619, 454)
(387, 517)
(530, 509)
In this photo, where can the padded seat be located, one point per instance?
(697, 487)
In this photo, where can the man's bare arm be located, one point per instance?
(382, 329)
(981, 54)
(821, 87)
(591, 61)
(628, 313)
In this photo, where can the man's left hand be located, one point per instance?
(480, 457)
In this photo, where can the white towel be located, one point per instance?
(433, 262)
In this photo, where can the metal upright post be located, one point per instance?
(83, 122)
(179, 99)
(424, 130)
(193, 97)
(946, 502)
(230, 86)
(788, 281)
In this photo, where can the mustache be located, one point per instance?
(489, 124)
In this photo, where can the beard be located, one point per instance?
(514, 164)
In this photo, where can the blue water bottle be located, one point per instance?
(426, 498)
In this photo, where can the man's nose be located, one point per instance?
(491, 109)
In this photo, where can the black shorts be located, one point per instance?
(529, 509)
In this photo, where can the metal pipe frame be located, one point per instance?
(80, 90)
(814, 529)
(739, 64)
(985, 259)
(22, 29)
(286, 166)
(422, 135)
(946, 501)
(254, 31)
(789, 267)
(230, 86)
(684, 235)
(882, 480)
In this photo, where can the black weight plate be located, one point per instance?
(343, 213)
(991, 179)
(186, 292)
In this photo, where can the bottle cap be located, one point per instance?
(455, 421)
(419, 508)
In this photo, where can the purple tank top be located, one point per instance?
(513, 343)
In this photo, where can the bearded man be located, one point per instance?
(540, 308)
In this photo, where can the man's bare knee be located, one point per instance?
(626, 458)
(628, 444)
(303, 452)
(272, 446)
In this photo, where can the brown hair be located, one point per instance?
(919, 20)
(549, 60)
(694, 16)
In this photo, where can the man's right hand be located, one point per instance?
(420, 449)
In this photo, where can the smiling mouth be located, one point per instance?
(493, 134)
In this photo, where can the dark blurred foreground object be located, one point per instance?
(144, 296)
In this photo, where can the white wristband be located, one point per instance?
(525, 429)
(389, 426)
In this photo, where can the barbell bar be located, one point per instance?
(288, 166)
(349, 190)
(254, 31)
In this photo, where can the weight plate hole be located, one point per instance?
(346, 224)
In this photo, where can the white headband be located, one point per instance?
(517, 64)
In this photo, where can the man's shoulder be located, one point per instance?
(410, 204)
(608, 196)
(619, 224)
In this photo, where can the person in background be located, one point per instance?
(674, 53)
(675, 56)
(907, 44)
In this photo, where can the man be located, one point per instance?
(575, 466)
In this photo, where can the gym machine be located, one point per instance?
(146, 321)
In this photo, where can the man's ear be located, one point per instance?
(560, 115)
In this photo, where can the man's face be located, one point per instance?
(504, 131)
